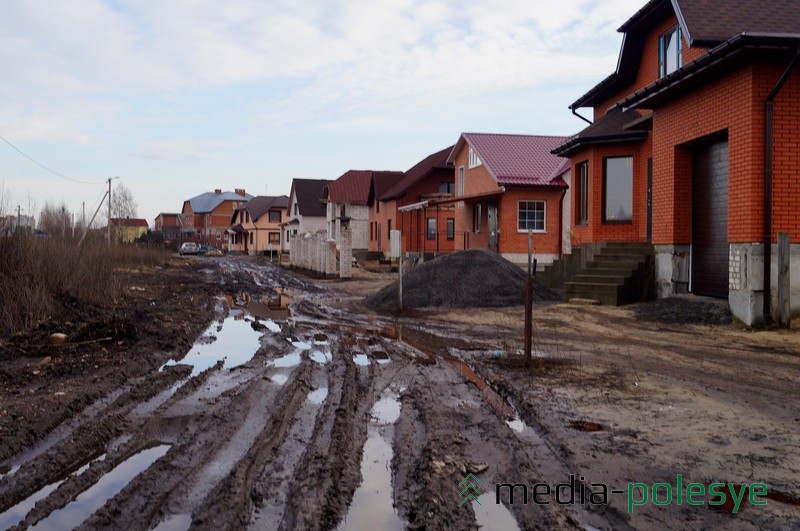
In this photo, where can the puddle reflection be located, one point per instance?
(318, 396)
(98, 494)
(236, 343)
(491, 515)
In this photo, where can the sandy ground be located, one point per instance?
(332, 416)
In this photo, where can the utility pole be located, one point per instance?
(83, 217)
(109, 211)
(19, 212)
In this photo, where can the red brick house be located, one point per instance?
(207, 217)
(169, 224)
(410, 206)
(693, 148)
(504, 186)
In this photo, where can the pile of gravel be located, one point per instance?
(464, 279)
(682, 310)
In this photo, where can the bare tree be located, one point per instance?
(56, 220)
(123, 205)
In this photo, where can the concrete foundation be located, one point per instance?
(672, 270)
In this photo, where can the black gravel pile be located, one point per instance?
(681, 310)
(464, 279)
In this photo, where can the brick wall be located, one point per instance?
(512, 241)
(595, 230)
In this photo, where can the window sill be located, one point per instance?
(533, 231)
(619, 222)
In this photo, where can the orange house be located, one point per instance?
(693, 149)
(506, 186)
(207, 217)
(410, 206)
(255, 227)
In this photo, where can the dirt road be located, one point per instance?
(325, 415)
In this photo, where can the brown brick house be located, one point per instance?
(693, 147)
(169, 224)
(207, 217)
(504, 186)
(410, 206)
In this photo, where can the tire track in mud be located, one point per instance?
(329, 471)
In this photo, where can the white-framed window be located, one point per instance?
(431, 232)
(460, 183)
(474, 161)
(531, 216)
(669, 52)
(476, 218)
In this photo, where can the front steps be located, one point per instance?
(620, 273)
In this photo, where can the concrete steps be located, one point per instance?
(614, 276)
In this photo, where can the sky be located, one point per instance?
(179, 97)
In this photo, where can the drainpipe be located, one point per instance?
(768, 147)
(561, 223)
(579, 116)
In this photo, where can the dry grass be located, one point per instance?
(37, 275)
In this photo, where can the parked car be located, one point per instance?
(188, 248)
(203, 249)
(213, 251)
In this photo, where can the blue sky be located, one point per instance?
(179, 97)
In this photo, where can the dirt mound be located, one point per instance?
(465, 279)
(681, 310)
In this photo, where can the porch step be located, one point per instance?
(615, 275)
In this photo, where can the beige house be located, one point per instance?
(128, 230)
(256, 225)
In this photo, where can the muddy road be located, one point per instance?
(231, 393)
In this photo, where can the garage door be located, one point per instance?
(710, 220)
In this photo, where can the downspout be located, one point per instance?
(579, 116)
(768, 147)
(561, 223)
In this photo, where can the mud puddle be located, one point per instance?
(233, 340)
(372, 506)
(318, 396)
(491, 515)
(98, 494)
(17, 513)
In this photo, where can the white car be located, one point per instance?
(188, 248)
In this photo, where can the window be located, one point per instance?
(669, 52)
(474, 161)
(389, 229)
(618, 189)
(447, 188)
(372, 231)
(274, 216)
(531, 216)
(274, 238)
(460, 189)
(476, 218)
(431, 233)
(583, 193)
(377, 207)
(251, 238)
(451, 228)
(296, 210)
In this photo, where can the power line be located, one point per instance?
(45, 167)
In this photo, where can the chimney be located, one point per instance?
(218, 191)
(240, 191)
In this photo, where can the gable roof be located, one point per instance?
(129, 222)
(356, 186)
(517, 160)
(308, 194)
(704, 23)
(435, 161)
(261, 204)
(208, 201)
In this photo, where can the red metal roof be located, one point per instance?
(418, 172)
(517, 160)
(355, 185)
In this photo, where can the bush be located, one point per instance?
(38, 274)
